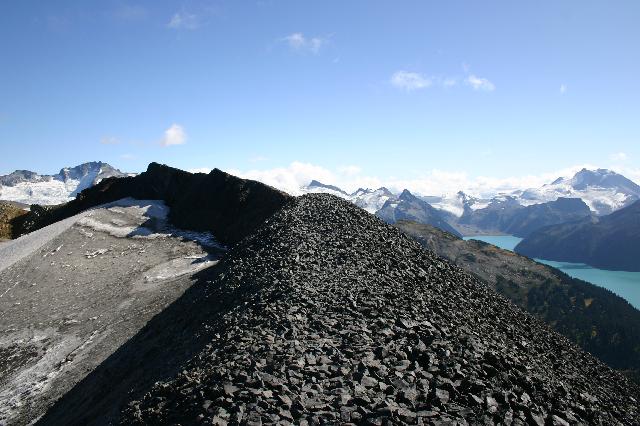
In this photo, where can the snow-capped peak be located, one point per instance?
(369, 199)
(604, 191)
(28, 187)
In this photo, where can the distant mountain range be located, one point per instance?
(27, 187)
(508, 216)
(588, 193)
(409, 207)
(604, 191)
(608, 242)
(371, 200)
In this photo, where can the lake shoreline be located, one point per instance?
(625, 284)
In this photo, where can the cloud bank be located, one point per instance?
(433, 182)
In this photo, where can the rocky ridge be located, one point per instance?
(225, 205)
(409, 207)
(340, 318)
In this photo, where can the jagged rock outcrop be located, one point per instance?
(225, 205)
(340, 318)
(409, 207)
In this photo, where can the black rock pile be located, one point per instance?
(343, 319)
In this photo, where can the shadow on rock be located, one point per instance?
(159, 351)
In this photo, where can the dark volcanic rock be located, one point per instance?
(598, 320)
(225, 205)
(340, 318)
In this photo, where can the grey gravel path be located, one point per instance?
(15, 250)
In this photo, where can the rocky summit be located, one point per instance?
(340, 318)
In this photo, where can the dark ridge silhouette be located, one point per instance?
(227, 206)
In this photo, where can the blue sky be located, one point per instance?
(356, 91)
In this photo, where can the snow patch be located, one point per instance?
(126, 218)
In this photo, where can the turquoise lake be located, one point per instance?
(624, 284)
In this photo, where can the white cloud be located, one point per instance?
(109, 140)
(478, 83)
(563, 89)
(174, 135)
(298, 42)
(128, 157)
(410, 80)
(291, 178)
(183, 20)
(434, 182)
(619, 157)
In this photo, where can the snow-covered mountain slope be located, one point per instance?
(371, 200)
(409, 207)
(604, 191)
(28, 187)
(457, 203)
